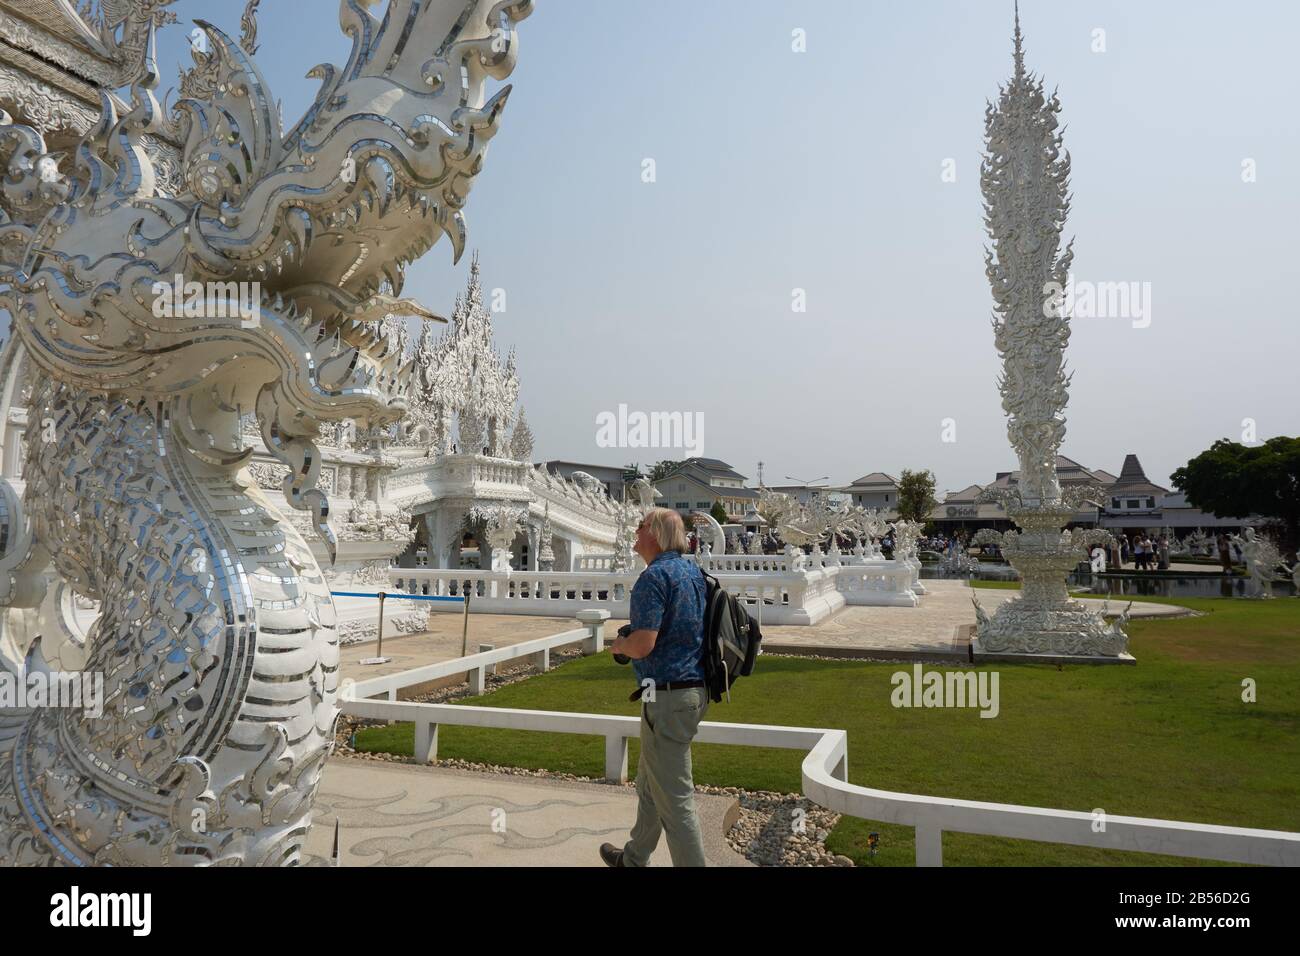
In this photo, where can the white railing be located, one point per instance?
(824, 784)
(877, 583)
(546, 593)
(796, 597)
(825, 776)
(744, 563)
(499, 471)
(476, 667)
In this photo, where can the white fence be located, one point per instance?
(476, 667)
(880, 584)
(799, 597)
(824, 772)
(546, 593)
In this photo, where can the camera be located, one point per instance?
(623, 631)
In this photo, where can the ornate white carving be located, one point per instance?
(216, 634)
(1262, 559)
(1025, 181)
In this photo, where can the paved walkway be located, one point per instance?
(403, 815)
(932, 629)
(442, 642)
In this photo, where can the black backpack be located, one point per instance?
(731, 640)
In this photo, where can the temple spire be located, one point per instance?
(1019, 49)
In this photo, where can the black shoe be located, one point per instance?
(611, 854)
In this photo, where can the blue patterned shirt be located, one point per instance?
(668, 597)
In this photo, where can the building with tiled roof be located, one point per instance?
(697, 483)
(876, 490)
(1128, 503)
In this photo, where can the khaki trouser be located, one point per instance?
(664, 786)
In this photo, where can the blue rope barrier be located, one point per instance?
(395, 596)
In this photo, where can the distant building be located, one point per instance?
(806, 493)
(1129, 504)
(1133, 504)
(876, 490)
(698, 482)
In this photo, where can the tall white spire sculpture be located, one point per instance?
(1025, 181)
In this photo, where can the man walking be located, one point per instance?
(665, 643)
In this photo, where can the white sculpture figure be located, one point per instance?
(501, 526)
(1098, 565)
(1262, 560)
(216, 633)
(646, 493)
(906, 535)
(796, 538)
(869, 524)
(622, 560)
(755, 545)
(588, 483)
(776, 506)
(719, 540)
(545, 553)
(1025, 183)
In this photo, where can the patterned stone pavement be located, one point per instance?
(402, 815)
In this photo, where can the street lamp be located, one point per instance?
(807, 483)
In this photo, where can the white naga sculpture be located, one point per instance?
(216, 633)
(646, 493)
(1262, 561)
(1025, 182)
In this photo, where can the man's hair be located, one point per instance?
(668, 529)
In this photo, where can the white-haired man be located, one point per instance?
(665, 642)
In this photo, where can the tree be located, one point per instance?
(916, 495)
(719, 513)
(662, 469)
(1231, 480)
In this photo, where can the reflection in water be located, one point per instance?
(1135, 585)
(1209, 586)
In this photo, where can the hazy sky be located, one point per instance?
(821, 170)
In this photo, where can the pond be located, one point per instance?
(1134, 585)
(1197, 586)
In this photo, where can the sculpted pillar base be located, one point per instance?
(1044, 622)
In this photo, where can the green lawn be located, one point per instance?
(1168, 738)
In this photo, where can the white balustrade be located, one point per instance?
(788, 597)
(877, 584)
(478, 666)
(744, 563)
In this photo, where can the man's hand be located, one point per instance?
(636, 645)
